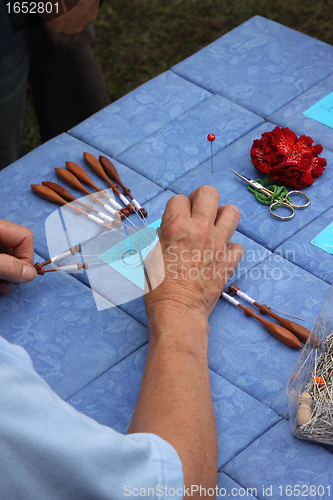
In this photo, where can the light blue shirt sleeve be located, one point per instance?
(50, 451)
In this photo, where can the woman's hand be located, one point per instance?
(198, 258)
(74, 21)
(16, 255)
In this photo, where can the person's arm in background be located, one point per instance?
(16, 255)
(74, 21)
(175, 400)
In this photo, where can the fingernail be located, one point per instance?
(28, 273)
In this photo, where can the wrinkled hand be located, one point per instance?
(198, 258)
(16, 255)
(74, 21)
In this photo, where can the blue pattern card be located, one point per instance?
(127, 257)
(324, 239)
(322, 111)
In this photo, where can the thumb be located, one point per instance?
(16, 271)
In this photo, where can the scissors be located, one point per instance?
(276, 203)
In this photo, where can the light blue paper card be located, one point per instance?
(322, 111)
(127, 257)
(324, 239)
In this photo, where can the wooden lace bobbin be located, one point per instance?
(64, 269)
(82, 176)
(70, 198)
(49, 195)
(279, 332)
(71, 251)
(97, 168)
(111, 171)
(70, 179)
(300, 331)
(304, 411)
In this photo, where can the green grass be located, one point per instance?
(139, 39)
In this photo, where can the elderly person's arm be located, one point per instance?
(63, 454)
(175, 400)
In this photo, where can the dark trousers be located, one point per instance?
(14, 63)
(66, 82)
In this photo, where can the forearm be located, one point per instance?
(175, 400)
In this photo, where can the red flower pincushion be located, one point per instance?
(287, 159)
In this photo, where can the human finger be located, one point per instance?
(15, 270)
(18, 239)
(226, 222)
(178, 205)
(204, 203)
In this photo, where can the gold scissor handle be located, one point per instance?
(295, 191)
(283, 204)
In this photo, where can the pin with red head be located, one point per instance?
(211, 139)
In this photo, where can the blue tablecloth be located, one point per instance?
(258, 76)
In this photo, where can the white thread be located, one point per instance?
(105, 217)
(95, 219)
(137, 205)
(68, 269)
(245, 297)
(115, 204)
(61, 256)
(230, 299)
(110, 209)
(123, 199)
